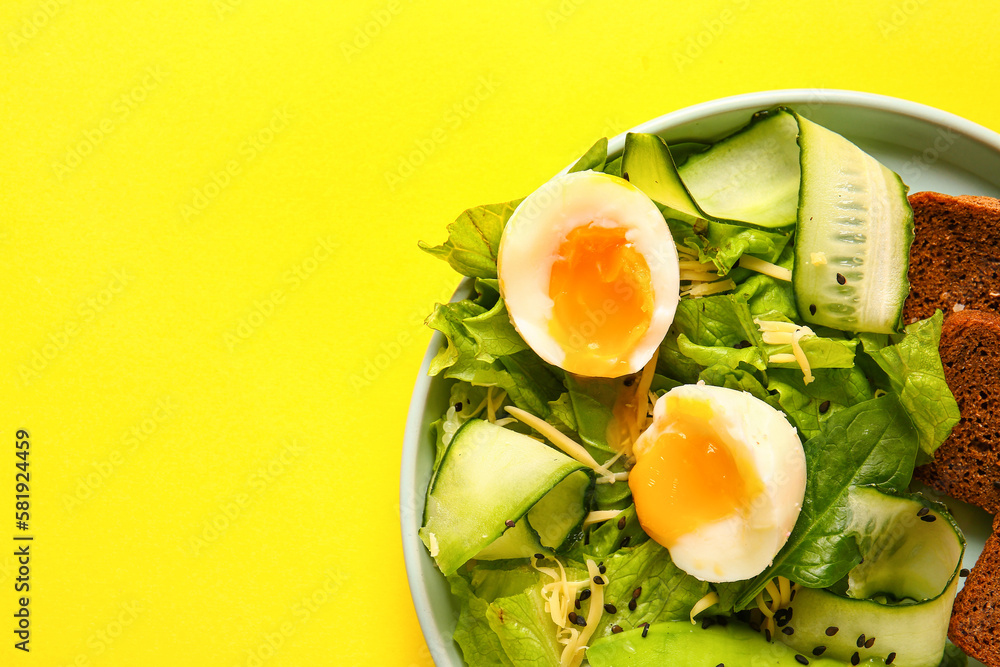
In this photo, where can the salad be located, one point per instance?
(685, 414)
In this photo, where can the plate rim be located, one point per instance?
(433, 634)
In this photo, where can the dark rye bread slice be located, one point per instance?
(975, 618)
(954, 259)
(967, 465)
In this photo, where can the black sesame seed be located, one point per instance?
(458, 407)
(964, 573)
(742, 344)
(861, 640)
(841, 279)
(792, 598)
(625, 175)
(615, 629)
(572, 617)
(629, 381)
(855, 659)
(581, 621)
(767, 634)
(782, 616)
(721, 664)
(645, 629)
(870, 642)
(823, 407)
(637, 592)
(631, 605)
(621, 523)
(923, 510)
(601, 568)
(819, 650)
(889, 658)
(585, 594)
(508, 523)
(577, 603)
(610, 608)
(812, 309)
(832, 630)
(788, 630)
(929, 518)
(599, 581)
(625, 541)
(539, 556)
(801, 659)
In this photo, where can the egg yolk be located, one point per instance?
(688, 477)
(602, 298)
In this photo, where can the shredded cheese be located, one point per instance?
(781, 359)
(766, 268)
(779, 595)
(787, 333)
(800, 355)
(560, 598)
(613, 477)
(433, 547)
(707, 289)
(558, 438)
(598, 516)
(701, 605)
(698, 276)
(817, 258)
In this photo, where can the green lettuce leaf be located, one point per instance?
(474, 239)
(668, 593)
(525, 629)
(608, 538)
(479, 643)
(530, 382)
(913, 368)
(727, 243)
(595, 158)
(740, 379)
(871, 443)
(494, 334)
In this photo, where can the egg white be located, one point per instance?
(743, 544)
(530, 245)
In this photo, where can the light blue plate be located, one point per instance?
(929, 148)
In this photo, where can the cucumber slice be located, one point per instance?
(853, 223)
(680, 643)
(899, 597)
(854, 215)
(490, 475)
(752, 175)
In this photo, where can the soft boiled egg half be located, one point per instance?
(588, 270)
(719, 480)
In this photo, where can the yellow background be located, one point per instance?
(212, 294)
